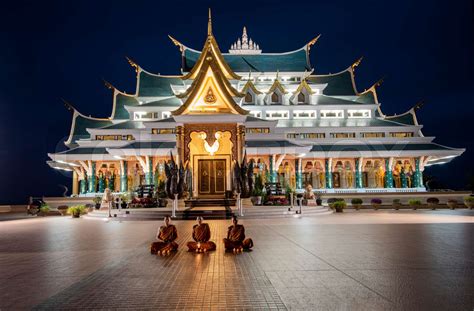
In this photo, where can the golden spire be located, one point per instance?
(209, 24)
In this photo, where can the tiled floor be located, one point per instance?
(354, 261)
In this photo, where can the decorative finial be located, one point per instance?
(209, 24)
(108, 85)
(68, 105)
(357, 62)
(278, 72)
(312, 42)
(177, 43)
(133, 64)
(379, 82)
(418, 105)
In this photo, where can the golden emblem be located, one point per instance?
(210, 97)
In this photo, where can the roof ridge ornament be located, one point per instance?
(245, 45)
(133, 64)
(312, 42)
(357, 63)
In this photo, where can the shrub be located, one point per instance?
(339, 204)
(97, 200)
(77, 210)
(44, 208)
(356, 201)
(414, 202)
(396, 202)
(469, 199)
(332, 200)
(452, 203)
(376, 201)
(432, 201)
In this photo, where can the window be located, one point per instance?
(279, 114)
(301, 98)
(401, 134)
(257, 130)
(343, 135)
(275, 98)
(256, 114)
(165, 115)
(304, 114)
(326, 114)
(114, 137)
(142, 115)
(363, 113)
(248, 98)
(163, 131)
(306, 135)
(372, 135)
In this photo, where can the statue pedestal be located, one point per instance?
(311, 202)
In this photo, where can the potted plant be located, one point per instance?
(469, 202)
(339, 206)
(319, 201)
(44, 209)
(452, 203)
(97, 201)
(414, 203)
(77, 210)
(162, 195)
(432, 202)
(63, 209)
(376, 203)
(357, 203)
(124, 199)
(396, 203)
(257, 192)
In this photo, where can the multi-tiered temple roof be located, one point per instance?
(287, 105)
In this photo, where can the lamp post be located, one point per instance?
(299, 201)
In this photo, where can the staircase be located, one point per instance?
(209, 202)
(211, 212)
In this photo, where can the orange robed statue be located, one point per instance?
(201, 237)
(166, 237)
(236, 240)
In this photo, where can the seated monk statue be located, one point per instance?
(166, 237)
(201, 236)
(236, 240)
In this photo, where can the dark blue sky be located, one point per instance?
(54, 49)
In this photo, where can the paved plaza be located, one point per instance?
(367, 260)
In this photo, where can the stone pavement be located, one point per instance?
(365, 260)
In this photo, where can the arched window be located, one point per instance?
(301, 98)
(275, 98)
(248, 98)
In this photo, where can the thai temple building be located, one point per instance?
(300, 127)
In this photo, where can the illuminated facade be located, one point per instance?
(297, 126)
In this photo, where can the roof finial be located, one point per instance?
(418, 105)
(209, 24)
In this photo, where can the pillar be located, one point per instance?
(123, 176)
(388, 173)
(358, 172)
(75, 183)
(328, 167)
(83, 186)
(180, 142)
(273, 172)
(92, 178)
(418, 176)
(403, 178)
(149, 172)
(298, 173)
(240, 142)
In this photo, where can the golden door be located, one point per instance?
(211, 178)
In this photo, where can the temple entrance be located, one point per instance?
(211, 177)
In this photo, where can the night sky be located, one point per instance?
(63, 49)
